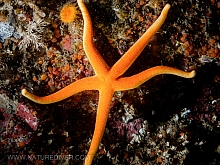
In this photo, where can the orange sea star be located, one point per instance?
(107, 79)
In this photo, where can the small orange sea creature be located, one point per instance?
(68, 13)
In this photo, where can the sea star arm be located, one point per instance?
(88, 83)
(130, 56)
(105, 98)
(127, 83)
(96, 60)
